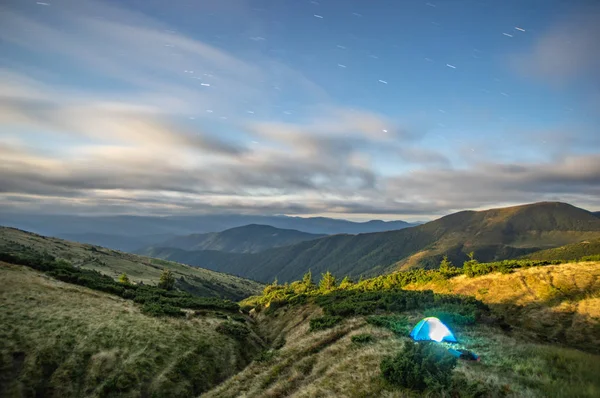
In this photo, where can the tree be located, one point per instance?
(124, 279)
(445, 264)
(346, 283)
(167, 280)
(307, 281)
(469, 267)
(446, 267)
(327, 282)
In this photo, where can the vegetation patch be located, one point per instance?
(395, 323)
(324, 322)
(363, 338)
(235, 330)
(420, 367)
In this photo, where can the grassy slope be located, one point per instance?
(64, 340)
(247, 239)
(113, 263)
(327, 363)
(574, 251)
(559, 303)
(492, 234)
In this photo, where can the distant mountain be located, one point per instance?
(133, 230)
(115, 241)
(251, 238)
(492, 234)
(596, 213)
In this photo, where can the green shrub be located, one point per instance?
(455, 314)
(397, 324)
(156, 309)
(238, 318)
(235, 330)
(324, 322)
(363, 338)
(420, 367)
(265, 356)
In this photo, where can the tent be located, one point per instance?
(432, 329)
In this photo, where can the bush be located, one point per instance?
(235, 330)
(156, 309)
(324, 322)
(455, 314)
(363, 338)
(397, 324)
(420, 367)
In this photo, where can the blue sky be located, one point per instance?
(355, 109)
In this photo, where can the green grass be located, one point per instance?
(63, 340)
(196, 281)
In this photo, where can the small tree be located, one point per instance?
(327, 282)
(346, 283)
(124, 279)
(307, 281)
(446, 267)
(469, 266)
(167, 280)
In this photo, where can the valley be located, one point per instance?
(73, 325)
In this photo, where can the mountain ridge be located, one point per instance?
(99, 230)
(493, 234)
(250, 238)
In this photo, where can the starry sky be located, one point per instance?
(351, 109)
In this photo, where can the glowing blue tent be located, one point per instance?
(432, 329)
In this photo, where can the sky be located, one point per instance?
(350, 109)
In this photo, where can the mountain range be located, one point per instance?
(491, 234)
(130, 233)
(251, 238)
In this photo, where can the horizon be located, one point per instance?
(410, 219)
(340, 109)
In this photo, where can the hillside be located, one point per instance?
(517, 356)
(63, 340)
(596, 213)
(135, 232)
(573, 251)
(247, 239)
(492, 234)
(113, 263)
(555, 303)
(115, 241)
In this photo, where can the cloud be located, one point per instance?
(492, 184)
(106, 127)
(567, 52)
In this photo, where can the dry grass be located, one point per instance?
(139, 269)
(62, 340)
